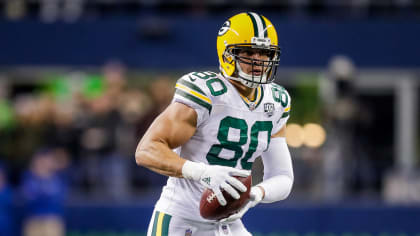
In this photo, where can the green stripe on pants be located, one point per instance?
(155, 221)
(165, 225)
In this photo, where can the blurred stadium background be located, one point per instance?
(81, 80)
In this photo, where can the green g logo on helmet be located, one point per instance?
(225, 27)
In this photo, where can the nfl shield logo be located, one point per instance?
(188, 232)
(269, 109)
(225, 229)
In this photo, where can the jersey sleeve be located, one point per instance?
(192, 92)
(285, 102)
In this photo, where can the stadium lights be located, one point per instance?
(311, 135)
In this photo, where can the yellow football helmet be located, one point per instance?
(245, 31)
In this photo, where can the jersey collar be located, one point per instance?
(252, 105)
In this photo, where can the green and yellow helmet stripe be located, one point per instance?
(264, 26)
(254, 23)
(259, 25)
(161, 224)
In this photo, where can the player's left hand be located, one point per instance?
(255, 196)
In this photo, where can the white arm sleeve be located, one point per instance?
(278, 171)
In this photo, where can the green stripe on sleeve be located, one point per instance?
(193, 99)
(254, 23)
(165, 224)
(155, 221)
(285, 114)
(191, 86)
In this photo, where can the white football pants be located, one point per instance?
(163, 224)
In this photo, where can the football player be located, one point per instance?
(216, 126)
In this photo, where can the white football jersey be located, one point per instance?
(231, 131)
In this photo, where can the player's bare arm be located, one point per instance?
(175, 126)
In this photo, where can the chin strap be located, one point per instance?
(249, 84)
(244, 82)
(243, 77)
(248, 80)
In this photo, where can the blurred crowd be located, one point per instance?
(89, 125)
(72, 10)
(73, 137)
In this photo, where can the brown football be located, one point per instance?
(211, 209)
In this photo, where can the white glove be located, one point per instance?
(256, 195)
(216, 178)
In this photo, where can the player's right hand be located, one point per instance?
(216, 178)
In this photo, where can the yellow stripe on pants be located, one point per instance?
(159, 224)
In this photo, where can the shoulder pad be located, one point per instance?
(200, 87)
(281, 96)
(203, 75)
(209, 82)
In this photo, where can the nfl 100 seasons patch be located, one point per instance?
(269, 109)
